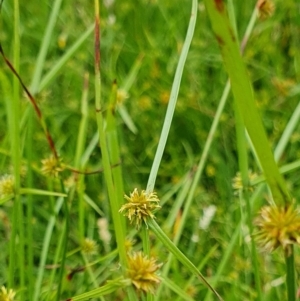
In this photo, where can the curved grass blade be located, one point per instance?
(173, 98)
(243, 94)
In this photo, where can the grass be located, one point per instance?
(155, 113)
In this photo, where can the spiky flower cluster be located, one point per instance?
(265, 8)
(121, 96)
(89, 246)
(237, 183)
(51, 166)
(6, 295)
(140, 206)
(7, 185)
(278, 226)
(142, 272)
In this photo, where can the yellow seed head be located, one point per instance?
(89, 246)
(7, 185)
(129, 243)
(6, 295)
(122, 95)
(51, 166)
(142, 272)
(265, 8)
(140, 206)
(237, 183)
(278, 226)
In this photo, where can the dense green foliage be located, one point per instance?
(153, 32)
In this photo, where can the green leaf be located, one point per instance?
(243, 94)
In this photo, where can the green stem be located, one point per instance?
(109, 288)
(116, 217)
(56, 262)
(45, 249)
(173, 99)
(52, 73)
(290, 274)
(29, 206)
(44, 47)
(179, 255)
(114, 149)
(183, 219)
(17, 220)
(244, 169)
(65, 241)
(81, 139)
(146, 250)
(120, 236)
(243, 93)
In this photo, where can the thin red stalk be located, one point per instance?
(33, 102)
(97, 42)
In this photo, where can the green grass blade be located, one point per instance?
(173, 98)
(177, 289)
(179, 255)
(243, 94)
(103, 290)
(44, 47)
(46, 80)
(45, 250)
(290, 275)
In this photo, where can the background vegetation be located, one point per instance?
(147, 37)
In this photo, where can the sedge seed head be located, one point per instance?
(142, 272)
(278, 226)
(237, 183)
(122, 95)
(7, 295)
(89, 246)
(140, 206)
(51, 166)
(7, 185)
(265, 8)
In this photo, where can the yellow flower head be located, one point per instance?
(51, 166)
(140, 206)
(89, 246)
(7, 185)
(6, 295)
(265, 8)
(121, 96)
(237, 183)
(142, 272)
(129, 243)
(278, 226)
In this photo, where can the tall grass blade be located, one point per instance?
(243, 93)
(173, 98)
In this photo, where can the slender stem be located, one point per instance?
(114, 149)
(17, 221)
(119, 231)
(244, 168)
(58, 251)
(225, 258)
(243, 93)
(45, 249)
(52, 73)
(65, 241)
(120, 236)
(29, 206)
(81, 139)
(179, 255)
(290, 274)
(44, 47)
(173, 99)
(179, 230)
